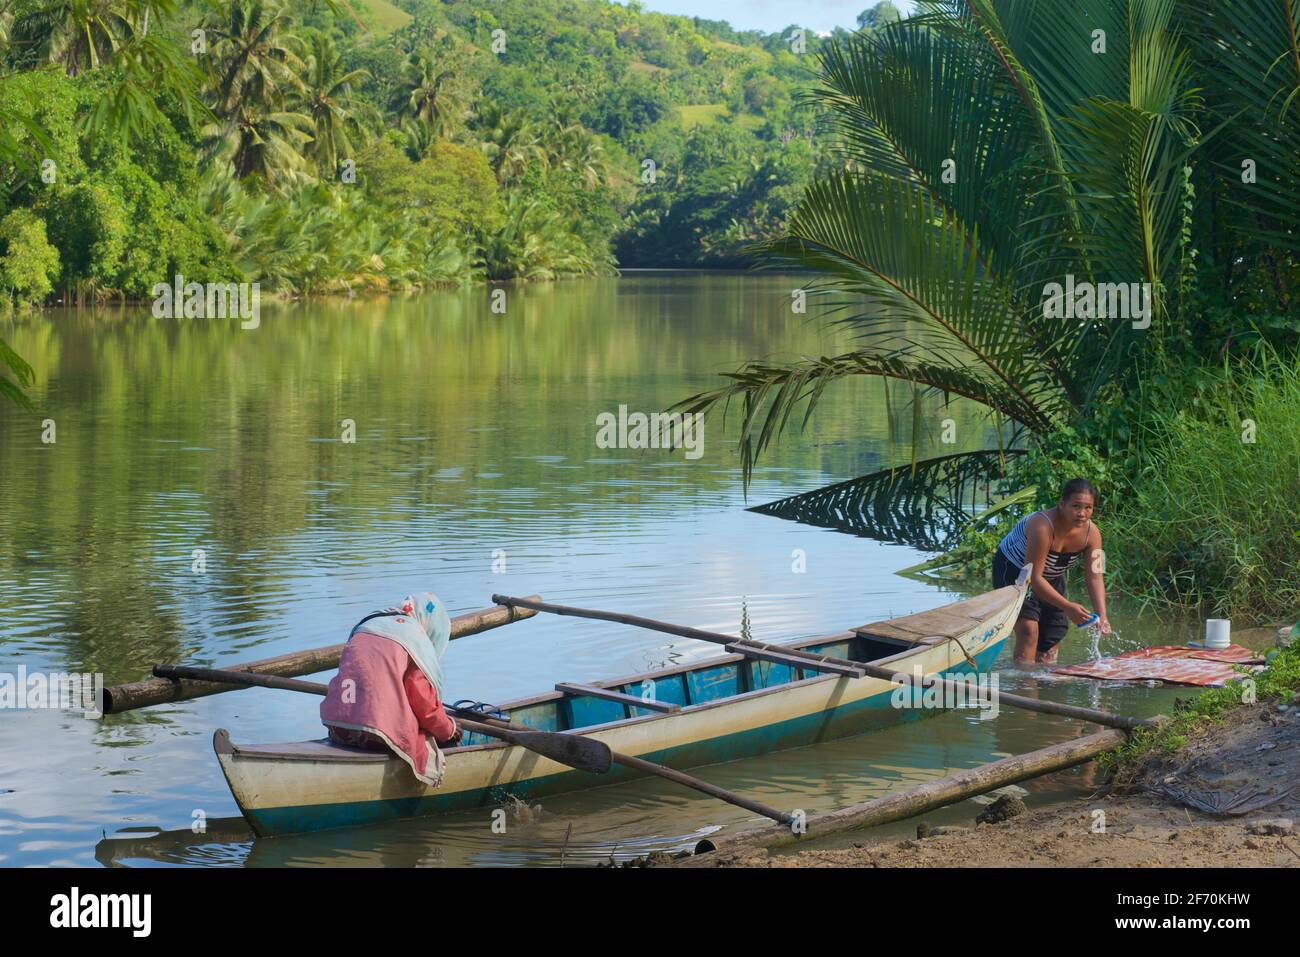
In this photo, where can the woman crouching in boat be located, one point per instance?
(387, 695)
(1052, 541)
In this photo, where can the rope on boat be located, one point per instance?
(482, 708)
(965, 654)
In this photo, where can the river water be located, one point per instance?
(213, 494)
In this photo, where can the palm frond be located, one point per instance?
(770, 394)
(924, 506)
(1248, 59)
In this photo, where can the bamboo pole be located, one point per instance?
(927, 797)
(141, 694)
(1094, 715)
(699, 784)
(622, 618)
(1061, 710)
(814, 659)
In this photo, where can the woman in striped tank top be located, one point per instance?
(1052, 541)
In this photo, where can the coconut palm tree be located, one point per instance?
(417, 138)
(254, 72)
(508, 141)
(327, 99)
(574, 148)
(254, 60)
(427, 91)
(79, 35)
(83, 35)
(262, 141)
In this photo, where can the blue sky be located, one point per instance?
(772, 15)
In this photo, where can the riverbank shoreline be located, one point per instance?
(1119, 827)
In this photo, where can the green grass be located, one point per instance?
(1278, 682)
(381, 16)
(700, 114)
(1210, 524)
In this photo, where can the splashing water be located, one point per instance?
(1094, 641)
(1115, 643)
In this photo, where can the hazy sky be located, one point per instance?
(772, 15)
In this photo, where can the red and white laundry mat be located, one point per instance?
(1173, 664)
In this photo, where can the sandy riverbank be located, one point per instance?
(1249, 762)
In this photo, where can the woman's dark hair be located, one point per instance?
(1075, 486)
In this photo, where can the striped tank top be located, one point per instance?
(1014, 543)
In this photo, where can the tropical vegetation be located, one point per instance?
(336, 146)
(319, 146)
(993, 153)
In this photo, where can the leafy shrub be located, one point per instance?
(29, 265)
(1212, 522)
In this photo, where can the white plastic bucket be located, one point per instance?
(1218, 633)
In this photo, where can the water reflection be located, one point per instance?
(639, 818)
(925, 509)
(200, 505)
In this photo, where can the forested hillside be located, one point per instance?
(330, 146)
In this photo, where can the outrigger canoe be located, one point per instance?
(716, 710)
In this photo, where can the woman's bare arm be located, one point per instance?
(1093, 577)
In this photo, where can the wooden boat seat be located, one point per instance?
(938, 624)
(311, 751)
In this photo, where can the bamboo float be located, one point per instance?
(141, 694)
(927, 797)
(838, 665)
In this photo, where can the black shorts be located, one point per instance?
(1052, 623)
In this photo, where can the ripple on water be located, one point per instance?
(234, 448)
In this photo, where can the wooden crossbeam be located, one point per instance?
(594, 692)
(795, 661)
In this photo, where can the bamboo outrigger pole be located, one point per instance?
(928, 796)
(814, 659)
(141, 694)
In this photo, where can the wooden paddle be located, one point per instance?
(583, 754)
(576, 751)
